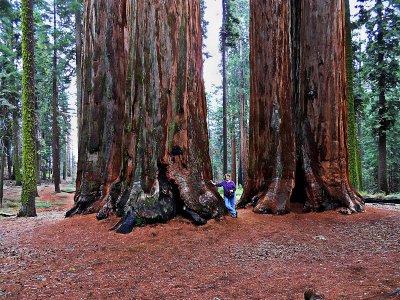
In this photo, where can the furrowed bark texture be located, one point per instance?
(298, 112)
(102, 101)
(155, 161)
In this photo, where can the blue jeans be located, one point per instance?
(230, 205)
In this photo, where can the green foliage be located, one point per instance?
(65, 45)
(377, 72)
(231, 22)
(237, 61)
(353, 149)
(16, 40)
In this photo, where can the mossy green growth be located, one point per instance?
(28, 112)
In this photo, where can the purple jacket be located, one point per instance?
(227, 187)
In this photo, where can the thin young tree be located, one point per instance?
(354, 157)
(229, 36)
(54, 105)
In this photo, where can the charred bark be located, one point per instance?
(143, 108)
(298, 113)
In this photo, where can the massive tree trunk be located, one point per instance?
(298, 112)
(28, 112)
(54, 105)
(143, 141)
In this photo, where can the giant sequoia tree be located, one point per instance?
(143, 148)
(298, 114)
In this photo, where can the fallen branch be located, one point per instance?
(382, 200)
(5, 214)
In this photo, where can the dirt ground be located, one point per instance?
(252, 257)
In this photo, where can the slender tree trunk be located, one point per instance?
(298, 78)
(7, 144)
(78, 40)
(354, 171)
(65, 163)
(382, 163)
(54, 105)
(38, 156)
(2, 163)
(15, 136)
(233, 158)
(44, 174)
(69, 162)
(243, 151)
(224, 100)
(143, 141)
(49, 169)
(28, 112)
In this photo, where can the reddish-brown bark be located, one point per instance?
(298, 108)
(104, 57)
(148, 158)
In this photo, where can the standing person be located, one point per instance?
(229, 194)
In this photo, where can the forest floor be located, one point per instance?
(252, 257)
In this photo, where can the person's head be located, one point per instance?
(227, 177)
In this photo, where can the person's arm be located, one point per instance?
(234, 186)
(218, 184)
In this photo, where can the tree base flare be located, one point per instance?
(169, 196)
